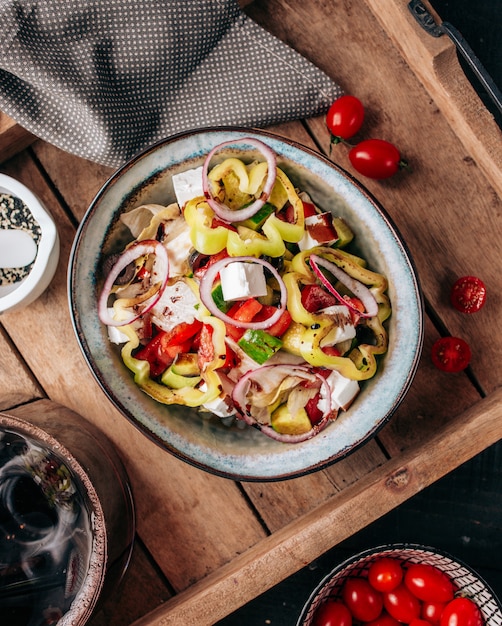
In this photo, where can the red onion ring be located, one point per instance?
(206, 296)
(239, 400)
(224, 212)
(355, 286)
(135, 250)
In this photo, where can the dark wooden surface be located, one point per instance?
(461, 513)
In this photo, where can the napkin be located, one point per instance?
(103, 79)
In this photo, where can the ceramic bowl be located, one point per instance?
(18, 289)
(465, 579)
(246, 454)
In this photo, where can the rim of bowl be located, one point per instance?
(89, 593)
(47, 257)
(485, 597)
(218, 465)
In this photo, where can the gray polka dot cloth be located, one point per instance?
(103, 79)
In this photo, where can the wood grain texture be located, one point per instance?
(17, 385)
(13, 137)
(298, 543)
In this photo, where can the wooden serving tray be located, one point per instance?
(207, 545)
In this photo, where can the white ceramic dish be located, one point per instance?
(22, 292)
(466, 580)
(233, 452)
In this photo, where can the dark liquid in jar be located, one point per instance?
(45, 533)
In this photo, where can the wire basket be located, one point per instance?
(466, 580)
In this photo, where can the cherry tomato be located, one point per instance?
(384, 620)
(402, 604)
(385, 574)
(461, 612)
(468, 294)
(344, 118)
(451, 354)
(375, 158)
(428, 583)
(364, 602)
(333, 613)
(432, 611)
(419, 622)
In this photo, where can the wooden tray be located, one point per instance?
(207, 545)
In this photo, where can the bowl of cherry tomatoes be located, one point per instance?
(402, 584)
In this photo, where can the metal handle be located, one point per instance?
(427, 22)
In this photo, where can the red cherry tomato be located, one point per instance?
(375, 158)
(432, 611)
(364, 602)
(451, 354)
(419, 622)
(402, 604)
(428, 583)
(461, 612)
(345, 117)
(333, 613)
(385, 574)
(384, 620)
(468, 294)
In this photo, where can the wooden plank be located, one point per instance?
(297, 544)
(435, 62)
(17, 385)
(432, 400)
(140, 591)
(13, 137)
(281, 503)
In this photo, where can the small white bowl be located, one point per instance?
(22, 292)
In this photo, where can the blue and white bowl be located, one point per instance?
(246, 454)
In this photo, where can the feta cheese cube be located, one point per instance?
(221, 406)
(343, 392)
(240, 281)
(343, 329)
(188, 185)
(115, 335)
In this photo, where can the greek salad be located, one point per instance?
(242, 299)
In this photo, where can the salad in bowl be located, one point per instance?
(254, 311)
(239, 299)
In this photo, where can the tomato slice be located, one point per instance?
(278, 328)
(314, 298)
(468, 294)
(214, 258)
(161, 351)
(451, 354)
(242, 311)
